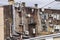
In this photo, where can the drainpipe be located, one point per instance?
(13, 28)
(11, 2)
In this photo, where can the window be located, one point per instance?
(43, 21)
(44, 28)
(56, 28)
(43, 16)
(58, 16)
(31, 20)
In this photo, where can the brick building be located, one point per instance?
(29, 20)
(37, 21)
(5, 21)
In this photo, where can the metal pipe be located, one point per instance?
(13, 28)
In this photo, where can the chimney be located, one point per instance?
(11, 2)
(36, 5)
(23, 4)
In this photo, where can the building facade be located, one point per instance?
(50, 21)
(1, 24)
(38, 22)
(5, 21)
(31, 21)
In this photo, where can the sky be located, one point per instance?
(41, 3)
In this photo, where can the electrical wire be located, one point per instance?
(47, 4)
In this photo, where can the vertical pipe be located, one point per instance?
(13, 28)
(10, 31)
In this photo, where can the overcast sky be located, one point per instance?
(28, 2)
(41, 3)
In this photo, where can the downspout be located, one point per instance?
(13, 27)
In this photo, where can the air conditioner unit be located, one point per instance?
(57, 0)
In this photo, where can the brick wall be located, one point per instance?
(1, 24)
